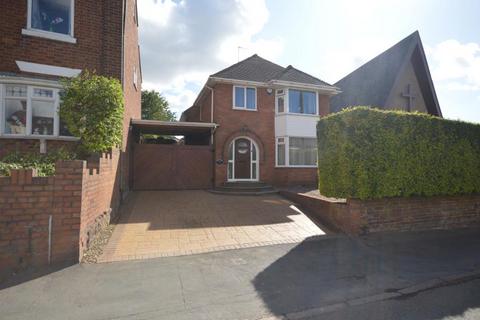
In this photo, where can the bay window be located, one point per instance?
(303, 102)
(296, 152)
(244, 98)
(27, 110)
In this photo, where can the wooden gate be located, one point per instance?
(172, 167)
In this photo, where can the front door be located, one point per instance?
(243, 159)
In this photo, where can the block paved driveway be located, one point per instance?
(173, 223)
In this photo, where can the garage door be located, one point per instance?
(172, 167)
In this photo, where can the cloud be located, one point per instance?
(182, 42)
(455, 66)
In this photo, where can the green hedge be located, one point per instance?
(369, 153)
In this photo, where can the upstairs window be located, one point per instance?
(303, 102)
(244, 98)
(281, 101)
(54, 16)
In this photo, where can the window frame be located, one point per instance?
(287, 153)
(29, 31)
(29, 112)
(286, 101)
(234, 95)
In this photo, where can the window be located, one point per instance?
(15, 115)
(51, 19)
(281, 151)
(296, 151)
(302, 151)
(280, 101)
(304, 102)
(51, 15)
(30, 111)
(244, 98)
(135, 76)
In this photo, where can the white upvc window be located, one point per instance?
(280, 100)
(135, 77)
(296, 152)
(30, 111)
(51, 19)
(296, 101)
(244, 98)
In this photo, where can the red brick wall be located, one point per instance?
(132, 93)
(97, 28)
(258, 125)
(78, 200)
(100, 197)
(393, 214)
(8, 146)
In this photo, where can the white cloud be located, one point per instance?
(182, 42)
(455, 66)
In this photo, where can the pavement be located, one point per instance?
(173, 223)
(312, 279)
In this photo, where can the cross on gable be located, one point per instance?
(410, 95)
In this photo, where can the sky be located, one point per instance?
(183, 42)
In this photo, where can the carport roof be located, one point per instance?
(172, 127)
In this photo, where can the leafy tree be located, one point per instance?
(156, 107)
(92, 108)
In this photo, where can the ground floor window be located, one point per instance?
(296, 152)
(30, 110)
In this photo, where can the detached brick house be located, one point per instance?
(266, 115)
(42, 41)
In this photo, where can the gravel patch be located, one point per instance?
(96, 248)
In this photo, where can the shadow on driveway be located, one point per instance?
(328, 271)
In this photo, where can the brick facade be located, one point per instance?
(8, 146)
(98, 29)
(258, 125)
(358, 217)
(80, 197)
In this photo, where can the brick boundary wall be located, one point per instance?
(358, 217)
(81, 198)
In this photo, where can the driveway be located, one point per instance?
(173, 223)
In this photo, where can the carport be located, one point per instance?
(186, 164)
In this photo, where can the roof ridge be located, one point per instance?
(290, 67)
(241, 61)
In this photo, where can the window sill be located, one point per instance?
(243, 109)
(49, 35)
(297, 114)
(293, 167)
(37, 137)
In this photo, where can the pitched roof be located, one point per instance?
(372, 83)
(256, 68)
(291, 74)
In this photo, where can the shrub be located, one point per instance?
(92, 108)
(44, 163)
(368, 153)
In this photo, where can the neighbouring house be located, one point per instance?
(42, 41)
(265, 115)
(398, 78)
(54, 219)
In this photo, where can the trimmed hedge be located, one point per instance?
(369, 153)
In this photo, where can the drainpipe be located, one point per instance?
(211, 110)
(211, 134)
